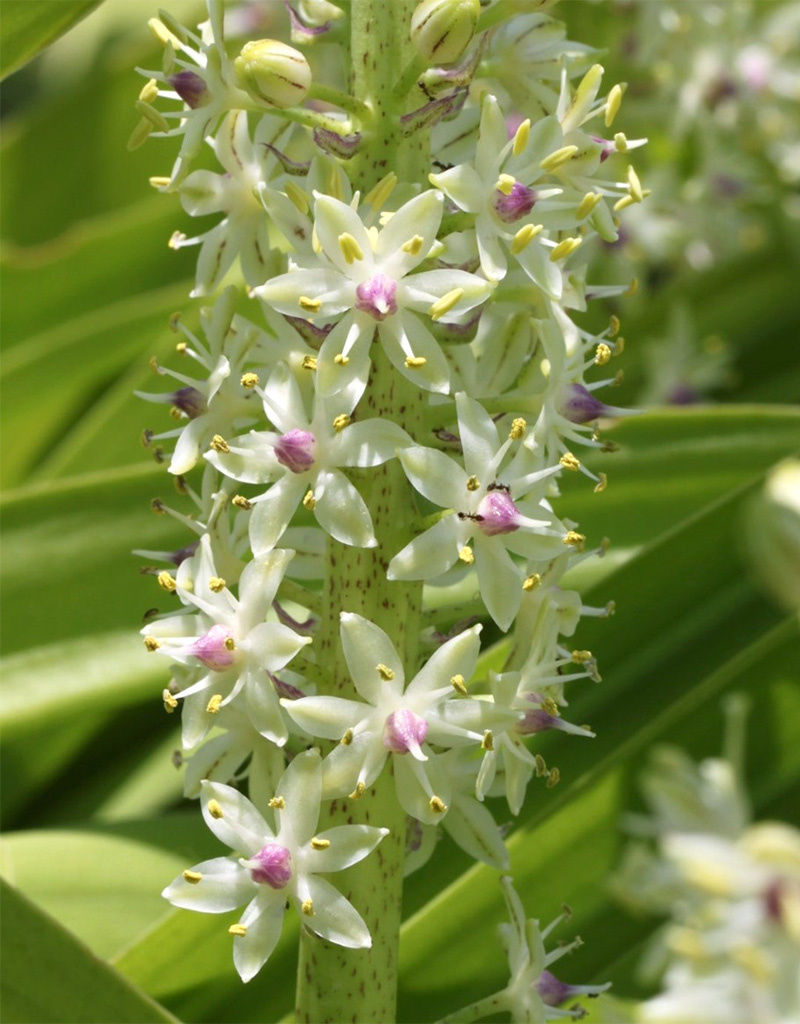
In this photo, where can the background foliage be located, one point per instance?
(94, 823)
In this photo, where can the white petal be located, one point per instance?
(251, 458)
(334, 917)
(435, 475)
(273, 512)
(258, 585)
(217, 760)
(264, 711)
(335, 292)
(420, 291)
(334, 218)
(272, 645)
(428, 555)
(352, 336)
(479, 437)
(499, 579)
(329, 718)
(236, 822)
(202, 193)
(264, 922)
(456, 657)
(341, 511)
(475, 830)
(492, 139)
(348, 845)
(367, 443)
(416, 783)
(405, 336)
(283, 402)
(216, 256)
(420, 216)
(464, 186)
(225, 885)
(535, 261)
(493, 258)
(301, 789)
(365, 647)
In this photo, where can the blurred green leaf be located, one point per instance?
(31, 25)
(49, 977)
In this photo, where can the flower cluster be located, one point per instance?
(466, 288)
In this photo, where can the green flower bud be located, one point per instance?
(318, 12)
(442, 29)
(273, 72)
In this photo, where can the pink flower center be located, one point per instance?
(215, 648)
(274, 866)
(497, 513)
(377, 297)
(296, 450)
(518, 203)
(404, 731)
(191, 88)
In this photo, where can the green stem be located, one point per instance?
(343, 100)
(475, 1011)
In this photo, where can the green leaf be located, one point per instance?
(31, 25)
(49, 977)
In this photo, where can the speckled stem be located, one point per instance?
(337, 984)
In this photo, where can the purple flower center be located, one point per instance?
(295, 450)
(536, 720)
(578, 405)
(497, 513)
(551, 989)
(404, 731)
(189, 400)
(377, 297)
(190, 87)
(518, 203)
(274, 866)
(215, 649)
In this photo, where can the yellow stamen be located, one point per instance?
(249, 380)
(415, 362)
(309, 501)
(175, 412)
(437, 805)
(351, 250)
(229, 644)
(379, 193)
(167, 582)
(602, 483)
(413, 245)
(384, 671)
(307, 907)
(341, 359)
(557, 158)
(613, 103)
(192, 877)
(466, 555)
(524, 236)
(217, 584)
(619, 346)
(458, 683)
(214, 809)
(621, 142)
(219, 444)
(149, 92)
(309, 305)
(568, 461)
(505, 184)
(541, 766)
(340, 422)
(277, 803)
(587, 204)
(240, 501)
(213, 706)
(152, 362)
(297, 196)
(309, 362)
(553, 778)
(151, 644)
(564, 249)
(621, 204)
(574, 539)
(181, 348)
(157, 181)
(473, 483)
(139, 135)
(634, 184)
(445, 303)
(358, 792)
(550, 706)
(320, 844)
(238, 929)
(487, 743)
(531, 582)
(518, 428)
(347, 739)
(613, 326)
(602, 354)
(581, 657)
(157, 506)
(632, 288)
(521, 136)
(169, 701)
(150, 114)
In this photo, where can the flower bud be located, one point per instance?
(318, 12)
(441, 30)
(273, 72)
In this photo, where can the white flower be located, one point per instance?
(490, 509)
(277, 865)
(305, 460)
(397, 720)
(366, 275)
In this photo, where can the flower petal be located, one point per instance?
(225, 885)
(328, 718)
(348, 845)
(428, 555)
(341, 511)
(435, 475)
(233, 819)
(456, 657)
(366, 647)
(334, 918)
(264, 922)
(301, 789)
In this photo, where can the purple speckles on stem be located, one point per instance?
(296, 450)
(190, 87)
(377, 297)
(518, 203)
(215, 649)
(403, 732)
(497, 513)
(274, 866)
(578, 405)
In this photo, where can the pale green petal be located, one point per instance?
(283, 402)
(301, 789)
(264, 922)
(235, 821)
(258, 586)
(474, 829)
(405, 336)
(351, 337)
(492, 139)
(428, 555)
(463, 185)
(456, 657)
(334, 218)
(417, 782)
(263, 709)
(348, 845)
(341, 511)
(492, 255)
(272, 513)
(367, 443)
(329, 718)
(365, 647)
(479, 437)
(272, 645)
(420, 291)
(335, 292)
(203, 193)
(334, 917)
(435, 475)
(420, 217)
(535, 261)
(499, 579)
(251, 459)
(225, 885)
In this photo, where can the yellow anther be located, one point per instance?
(341, 359)
(309, 305)
(458, 683)
(414, 362)
(192, 877)
(152, 362)
(634, 184)
(149, 92)
(307, 907)
(611, 608)
(157, 506)
(340, 422)
(175, 412)
(632, 288)
(413, 245)
(139, 135)
(587, 204)
(601, 484)
(437, 805)
(755, 963)
(214, 809)
(240, 501)
(150, 114)
(169, 701)
(525, 235)
(609, 446)
(505, 184)
(181, 348)
(320, 844)
(613, 326)
(213, 706)
(550, 706)
(309, 501)
(531, 582)
(473, 483)
(384, 671)
(613, 103)
(621, 204)
(466, 555)
(568, 461)
(309, 363)
(619, 348)
(219, 444)
(351, 250)
(157, 181)
(621, 142)
(151, 644)
(557, 158)
(358, 792)
(574, 539)
(347, 739)
(518, 428)
(446, 303)
(379, 193)
(167, 581)
(564, 249)
(581, 657)
(249, 380)
(229, 644)
(602, 354)
(277, 803)
(238, 929)
(521, 136)
(553, 778)
(540, 766)
(217, 584)
(297, 196)
(487, 743)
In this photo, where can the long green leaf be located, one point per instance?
(31, 25)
